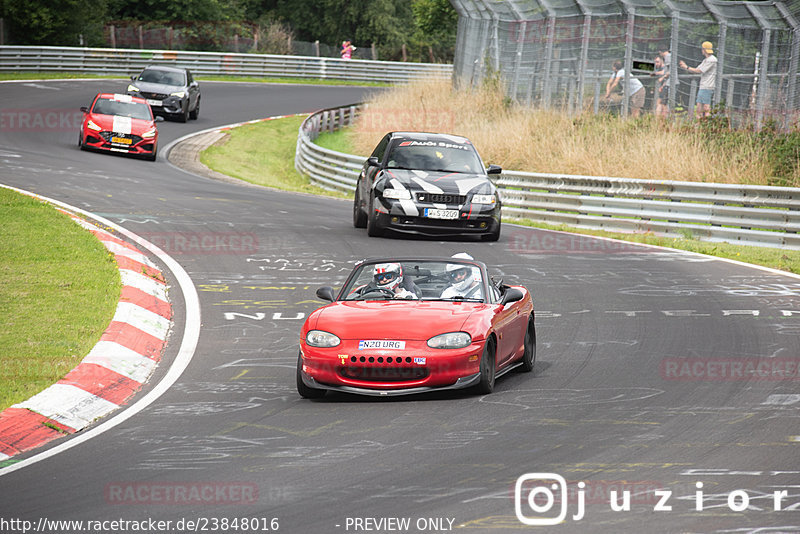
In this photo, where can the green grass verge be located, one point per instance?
(59, 290)
(338, 141)
(263, 154)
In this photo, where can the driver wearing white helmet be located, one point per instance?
(465, 281)
(389, 277)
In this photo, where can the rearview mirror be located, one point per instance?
(511, 294)
(373, 161)
(494, 169)
(325, 293)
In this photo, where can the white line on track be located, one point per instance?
(191, 334)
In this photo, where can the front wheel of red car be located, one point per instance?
(488, 371)
(529, 356)
(305, 391)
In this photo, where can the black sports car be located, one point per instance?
(170, 91)
(426, 183)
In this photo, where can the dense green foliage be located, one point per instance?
(55, 22)
(421, 29)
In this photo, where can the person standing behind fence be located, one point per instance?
(661, 72)
(347, 49)
(635, 91)
(708, 78)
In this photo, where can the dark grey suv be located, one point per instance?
(170, 91)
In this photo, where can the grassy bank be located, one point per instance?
(59, 292)
(262, 154)
(527, 139)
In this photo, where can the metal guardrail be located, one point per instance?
(327, 168)
(742, 214)
(125, 62)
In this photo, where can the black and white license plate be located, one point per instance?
(434, 213)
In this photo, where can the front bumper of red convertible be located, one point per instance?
(417, 369)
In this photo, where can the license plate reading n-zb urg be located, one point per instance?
(381, 344)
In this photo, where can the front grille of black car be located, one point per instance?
(154, 96)
(441, 198)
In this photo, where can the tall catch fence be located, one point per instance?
(559, 53)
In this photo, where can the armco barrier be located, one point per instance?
(743, 214)
(125, 62)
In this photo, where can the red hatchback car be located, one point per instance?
(119, 123)
(411, 325)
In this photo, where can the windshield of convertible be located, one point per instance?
(434, 156)
(416, 280)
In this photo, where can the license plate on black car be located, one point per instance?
(434, 213)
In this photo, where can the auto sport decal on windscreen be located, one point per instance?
(381, 344)
(438, 144)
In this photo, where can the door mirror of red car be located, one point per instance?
(85, 109)
(158, 118)
(494, 169)
(511, 294)
(325, 293)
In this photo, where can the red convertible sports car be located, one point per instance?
(119, 123)
(411, 325)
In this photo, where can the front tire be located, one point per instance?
(305, 391)
(183, 116)
(359, 217)
(196, 111)
(488, 370)
(494, 235)
(374, 228)
(529, 356)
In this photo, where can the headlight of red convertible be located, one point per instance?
(450, 340)
(322, 339)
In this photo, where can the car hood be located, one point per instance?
(120, 124)
(439, 182)
(397, 319)
(149, 87)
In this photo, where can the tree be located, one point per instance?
(55, 22)
(436, 26)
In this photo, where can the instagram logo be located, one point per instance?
(536, 491)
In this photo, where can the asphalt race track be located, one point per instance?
(656, 370)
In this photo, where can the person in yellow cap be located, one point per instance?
(708, 78)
